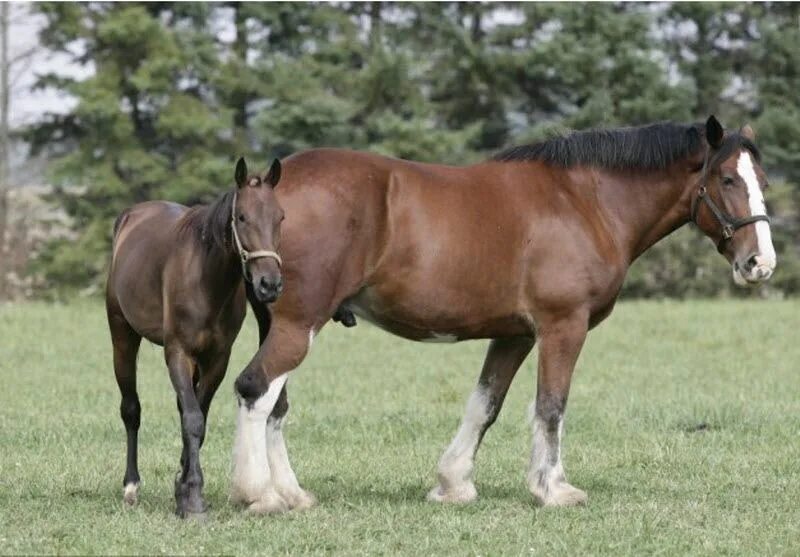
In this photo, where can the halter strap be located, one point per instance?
(729, 223)
(245, 255)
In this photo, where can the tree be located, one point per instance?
(5, 140)
(146, 124)
(11, 65)
(180, 89)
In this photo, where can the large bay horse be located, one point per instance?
(176, 280)
(532, 245)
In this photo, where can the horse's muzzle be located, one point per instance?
(753, 270)
(267, 291)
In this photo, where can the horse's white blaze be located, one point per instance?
(455, 466)
(766, 251)
(437, 338)
(251, 473)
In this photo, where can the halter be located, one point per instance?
(729, 223)
(245, 255)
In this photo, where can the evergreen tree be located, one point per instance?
(180, 89)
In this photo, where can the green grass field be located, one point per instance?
(683, 426)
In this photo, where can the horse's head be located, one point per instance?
(728, 205)
(256, 224)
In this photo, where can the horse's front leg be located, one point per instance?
(252, 483)
(189, 483)
(560, 343)
(283, 476)
(258, 388)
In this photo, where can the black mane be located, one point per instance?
(211, 223)
(649, 147)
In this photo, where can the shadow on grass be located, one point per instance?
(408, 492)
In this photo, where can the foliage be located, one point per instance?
(179, 90)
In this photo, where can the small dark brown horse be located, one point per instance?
(176, 280)
(531, 246)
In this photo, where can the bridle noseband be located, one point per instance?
(245, 255)
(729, 223)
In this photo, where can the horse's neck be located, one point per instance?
(222, 270)
(647, 206)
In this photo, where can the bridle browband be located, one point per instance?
(729, 223)
(245, 255)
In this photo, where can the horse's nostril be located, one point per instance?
(751, 263)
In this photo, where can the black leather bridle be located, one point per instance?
(729, 223)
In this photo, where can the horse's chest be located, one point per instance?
(207, 330)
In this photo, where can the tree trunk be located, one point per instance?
(240, 47)
(4, 148)
(375, 25)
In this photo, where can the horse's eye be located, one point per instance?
(727, 180)
(241, 218)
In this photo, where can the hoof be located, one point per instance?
(299, 500)
(268, 504)
(130, 494)
(559, 495)
(463, 493)
(189, 503)
(200, 517)
(195, 511)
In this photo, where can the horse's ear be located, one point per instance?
(714, 132)
(241, 172)
(274, 173)
(748, 132)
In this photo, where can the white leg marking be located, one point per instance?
(283, 476)
(131, 493)
(456, 464)
(766, 251)
(252, 481)
(546, 480)
(310, 338)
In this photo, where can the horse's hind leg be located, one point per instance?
(126, 346)
(455, 467)
(189, 485)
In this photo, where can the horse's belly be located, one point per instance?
(433, 322)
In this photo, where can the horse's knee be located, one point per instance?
(131, 411)
(250, 385)
(194, 424)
